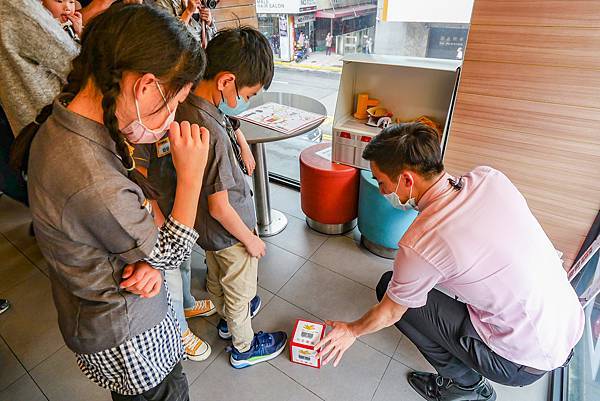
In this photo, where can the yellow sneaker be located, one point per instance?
(202, 308)
(195, 348)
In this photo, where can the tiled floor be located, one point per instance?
(304, 275)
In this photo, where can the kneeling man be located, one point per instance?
(514, 317)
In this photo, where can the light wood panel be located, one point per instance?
(577, 13)
(550, 46)
(234, 3)
(528, 104)
(559, 85)
(231, 13)
(253, 22)
(541, 121)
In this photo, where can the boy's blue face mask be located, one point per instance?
(241, 104)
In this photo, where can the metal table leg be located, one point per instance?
(270, 221)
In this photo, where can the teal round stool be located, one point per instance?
(381, 226)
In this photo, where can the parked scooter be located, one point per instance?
(301, 54)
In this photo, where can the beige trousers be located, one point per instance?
(231, 283)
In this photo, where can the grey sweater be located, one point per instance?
(35, 59)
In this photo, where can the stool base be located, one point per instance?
(378, 250)
(331, 229)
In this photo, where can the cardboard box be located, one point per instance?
(305, 336)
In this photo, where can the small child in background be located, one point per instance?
(64, 11)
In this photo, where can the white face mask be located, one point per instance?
(394, 200)
(137, 132)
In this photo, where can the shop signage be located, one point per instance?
(283, 25)
(448, 43)
(304, 18)
(285, 6)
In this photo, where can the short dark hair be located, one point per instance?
(243, 51)
(413, 146)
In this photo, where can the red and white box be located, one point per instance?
(305, 336)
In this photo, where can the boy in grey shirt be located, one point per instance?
(240, 63)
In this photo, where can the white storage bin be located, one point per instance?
(409, 87)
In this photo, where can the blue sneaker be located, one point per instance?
(265, 346)
(224, 333)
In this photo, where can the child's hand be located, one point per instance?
(248, 159)
(256, 247)
(189, 149)
(77, 20)
(142, 279)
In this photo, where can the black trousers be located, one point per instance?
(443, 333)
(173, 388)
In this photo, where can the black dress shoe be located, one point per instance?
(4, 305)
(434, 387)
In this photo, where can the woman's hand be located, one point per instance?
(142, 279)
(189, 149)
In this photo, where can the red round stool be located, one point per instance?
(328, 191)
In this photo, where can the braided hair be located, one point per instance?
(136, 38)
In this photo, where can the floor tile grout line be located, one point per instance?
(287, 250)
(206, 368)
(45, 359)
(17, 359)
(318, 264)
(321, 319)
(398, 345)
(268, 302)
(342, 275)
(295, 381)
(315, 233)
(291, 277)
(24, 254)
(396, 351)
(381, 379)
(38, 386)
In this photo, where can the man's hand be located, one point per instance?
(206, 16)
(142, 279)
(335, 343)
(77, 20)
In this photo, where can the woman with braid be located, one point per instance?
(90, 208)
